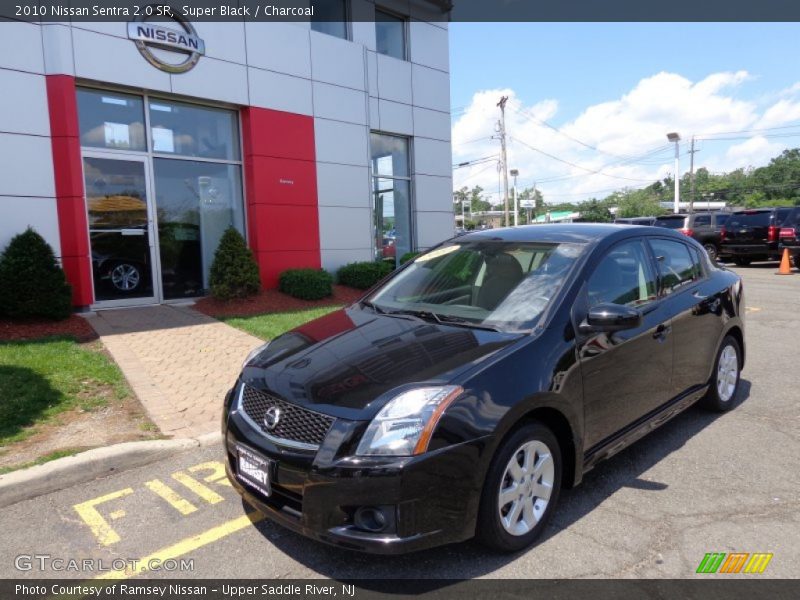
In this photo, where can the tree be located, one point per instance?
(234, 273)
(593, 211)
(32, 283)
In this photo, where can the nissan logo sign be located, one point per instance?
(151, 39)
(272, 417)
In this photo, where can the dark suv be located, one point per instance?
(705, 227)
(789, 235)
(753, 234)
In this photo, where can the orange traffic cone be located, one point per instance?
(785, 268)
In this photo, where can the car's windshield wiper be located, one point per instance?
(373, 306)
(443, 319)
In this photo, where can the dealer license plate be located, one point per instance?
(254, 470)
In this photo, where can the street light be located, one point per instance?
(514, 173)
(675, 137)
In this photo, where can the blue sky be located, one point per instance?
(616, 87)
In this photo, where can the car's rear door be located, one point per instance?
(626, 373)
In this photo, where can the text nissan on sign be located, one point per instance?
(457, 397)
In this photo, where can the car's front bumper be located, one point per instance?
(433, 497)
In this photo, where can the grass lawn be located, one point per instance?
(43, 378)
(271, 325)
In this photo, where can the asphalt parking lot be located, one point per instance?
(702, 483)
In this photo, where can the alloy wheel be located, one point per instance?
(727, 373)
(125, 277)
(526, 487)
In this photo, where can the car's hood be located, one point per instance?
(344, 361)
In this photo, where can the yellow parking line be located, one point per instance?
(187, 545)
(92, 517)
(177, 502)
(198, 488)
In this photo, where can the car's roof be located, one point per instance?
(557, 232)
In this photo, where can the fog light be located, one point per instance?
(370, 518)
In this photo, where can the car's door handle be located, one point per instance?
(661, 332)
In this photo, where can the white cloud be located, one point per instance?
(629, 126)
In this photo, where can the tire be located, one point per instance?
(724, 382)
(712, 251)
(497, 526)
(742, 262)
(125, 277)
(796, 260)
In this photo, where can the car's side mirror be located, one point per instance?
(611, 317)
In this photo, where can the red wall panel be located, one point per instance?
(281, 182)
(72, 223)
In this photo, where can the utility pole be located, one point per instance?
(503, 157)
(691, 177)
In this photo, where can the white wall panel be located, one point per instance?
(26, 165)
(223, 40)
(281, 47)
(344, 228)
(25, 110)
(429, 45)
(372, 73)
(431, 88)
(433, 193)
(115, 60)
(333, 259)
(17, 214)
(21, 47)
(342, 185)
(57, 44)
(340, 103)
(280, 92)
(374, 114)
(337, 61)
(341, 143)
(432, 157)
(434, 227)
(364, 33)
(394, 79)
(396, 117)
(213, 79)
(431, 124)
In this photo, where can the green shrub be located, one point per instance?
(363, 275)
(32, 283)
(306, 284)
(234, 272)
(409, 256)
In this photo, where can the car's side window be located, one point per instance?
(676, 267)
(623, 276)
(702, 220)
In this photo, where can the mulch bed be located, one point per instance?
(272, 301)
(31, 329)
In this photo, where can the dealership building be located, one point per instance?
(132, 146)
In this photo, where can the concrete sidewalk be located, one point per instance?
(179, 362)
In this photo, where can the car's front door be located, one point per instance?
(627, 373)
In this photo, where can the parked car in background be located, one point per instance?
(789, 235)
(705, 227)
(635, 220)
(753, 234)
(460, 395)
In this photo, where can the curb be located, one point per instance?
(62, 473)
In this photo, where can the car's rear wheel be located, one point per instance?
(725, 379)
(521, 489)
(712, 251)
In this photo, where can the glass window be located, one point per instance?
(196, 131)
(670, 222)
(749, 219)
(196, 202)
(722, 219)
(702, 220)
(623, 276)
(391, 190)
(111, 120)
(390, 34)
(676, 267)
(481, 282)
(331, 18)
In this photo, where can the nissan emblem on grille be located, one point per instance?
(271, 417)
(284, 422)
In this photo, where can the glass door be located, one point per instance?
(120, 228)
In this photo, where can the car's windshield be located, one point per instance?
(486, 283)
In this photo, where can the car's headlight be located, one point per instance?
(253, 353)
(404, 426)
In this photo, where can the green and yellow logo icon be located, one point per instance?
(736, 562)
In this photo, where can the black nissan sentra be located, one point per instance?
(458, 396)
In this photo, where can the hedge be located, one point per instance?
(234, 273)
(306, 284)
(363, 275)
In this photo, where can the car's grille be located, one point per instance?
(296, 426)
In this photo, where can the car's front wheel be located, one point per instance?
(725, 378)
(521, 489)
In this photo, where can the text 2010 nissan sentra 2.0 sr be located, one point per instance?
(458, 396)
